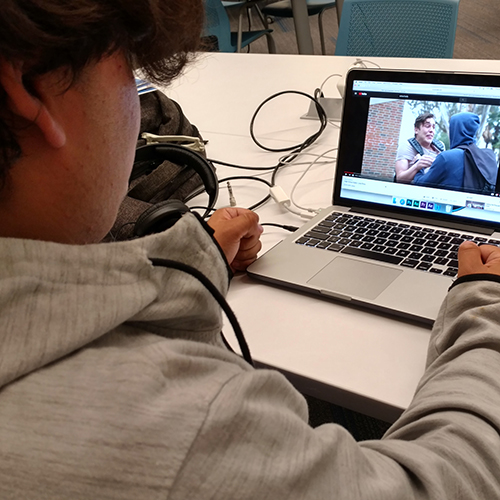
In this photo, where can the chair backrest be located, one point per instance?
(397, 28)
(217, 25)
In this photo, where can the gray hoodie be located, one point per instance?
(115, 385)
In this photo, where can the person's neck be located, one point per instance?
(29, 207)
(426, 145)
(28, 221)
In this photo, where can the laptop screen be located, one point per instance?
(423, 144)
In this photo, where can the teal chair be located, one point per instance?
(218, 28)
(283, 8)
(397, 28)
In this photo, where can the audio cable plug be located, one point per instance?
(232, 199)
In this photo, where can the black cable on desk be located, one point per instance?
(323, 119)
(294, 150)
(234, 165)
(250, 178)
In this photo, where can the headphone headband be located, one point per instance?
(163, 215)
(183, 157)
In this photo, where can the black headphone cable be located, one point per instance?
(185, 268)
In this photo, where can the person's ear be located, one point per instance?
(25, 105)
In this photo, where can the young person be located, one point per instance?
(464, 166)
(114, 380)
(418, 153)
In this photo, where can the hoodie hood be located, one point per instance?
(463, 128)
(55, 298)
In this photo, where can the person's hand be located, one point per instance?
(237, 231)
(473, 259)
(424, 162)
(415, 159)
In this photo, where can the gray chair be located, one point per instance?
(397, 28)
(239, 39)
(283, 8)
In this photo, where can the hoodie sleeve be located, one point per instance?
(255, 442)
(446, 171)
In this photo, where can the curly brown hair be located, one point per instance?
(157, 36)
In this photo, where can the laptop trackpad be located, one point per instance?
(355, 278)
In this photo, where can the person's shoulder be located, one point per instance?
(128, 390)
(438, 145)
(490, 152)
(405, 151)
(449, 153)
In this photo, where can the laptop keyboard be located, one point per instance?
(423, 248)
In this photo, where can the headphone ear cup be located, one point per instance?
(153, 155)
(159, 217)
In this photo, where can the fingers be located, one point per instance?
(473, 259)
(469, 259)
(228, 213)
(237, 231)
(249, 248)
(491, 258)
(247, 223)
(242, 222)
(426, 160)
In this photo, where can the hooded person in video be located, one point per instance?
(465, 167)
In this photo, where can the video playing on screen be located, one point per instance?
(447, 145)
(423, 146)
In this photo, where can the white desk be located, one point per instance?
(355, 358)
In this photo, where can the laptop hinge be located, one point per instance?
(408, 218)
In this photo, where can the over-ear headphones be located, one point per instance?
(161, 216)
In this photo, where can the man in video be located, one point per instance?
(418, 153)
(465, 166)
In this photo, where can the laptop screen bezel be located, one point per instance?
(352, 128)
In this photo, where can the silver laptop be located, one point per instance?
(388, 242)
